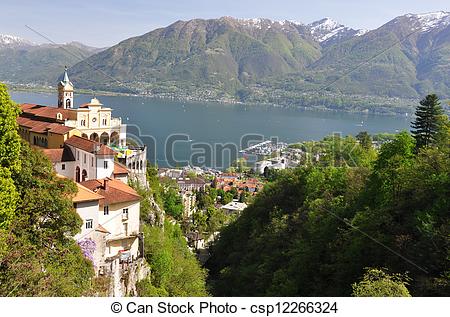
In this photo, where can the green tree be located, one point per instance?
(43, 259)
(200, 219)
(204, 200)
(426, 125)
(378, 283)
(226, 198)
(173, 205)
(9, 157)
(215, 219)
(314, 230)
(365, 140)
(175, 270)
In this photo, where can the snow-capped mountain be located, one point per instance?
(328, 30)
(429, 21)
(13, 41)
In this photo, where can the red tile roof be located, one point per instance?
(84, 194)
(119, 169)
(115, 192)
(89, 146)
(59, 155)
(43, 112)
(43, 126)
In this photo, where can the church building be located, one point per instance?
(51, 127)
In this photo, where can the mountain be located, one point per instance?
(328, 32)
(407, 57)
(222, 54)
(323, 64)
(24, 62)
(13, 41)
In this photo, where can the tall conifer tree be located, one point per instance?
(426, 125)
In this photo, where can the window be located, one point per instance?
(125, 229)
(89, 223)
(63, 167)
(106, 210)
(125, 214)
(92, 162)
(104, 121)
(78, 155)
(84, 158)
(83, 123)
(105, 164)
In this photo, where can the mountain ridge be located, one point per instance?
(278, 62)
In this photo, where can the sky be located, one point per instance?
(102, 23)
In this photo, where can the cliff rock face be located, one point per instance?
(125, 277)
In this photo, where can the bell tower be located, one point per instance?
(65, 92)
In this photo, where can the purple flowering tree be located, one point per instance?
(87, 246)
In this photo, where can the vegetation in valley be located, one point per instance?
(359, 222)
(174, 268)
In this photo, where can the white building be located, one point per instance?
(276, 163)
(234, 207)
(96, 123)
(87, 205)
(81, 159)
(119, 215)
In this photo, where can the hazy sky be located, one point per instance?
(106, 22)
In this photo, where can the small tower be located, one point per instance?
(65, 92)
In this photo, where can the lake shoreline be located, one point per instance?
(404, 111)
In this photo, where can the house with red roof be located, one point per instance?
(118, 214)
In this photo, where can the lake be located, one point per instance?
(198, 127)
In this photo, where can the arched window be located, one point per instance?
(94, 137)
(59, 116)
(84, 176)
(77, 174)
(68, 104)
(114, 138)
(104, 138)
(134, 165)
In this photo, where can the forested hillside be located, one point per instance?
(322, 65)
(316, 230)
(39, 65)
